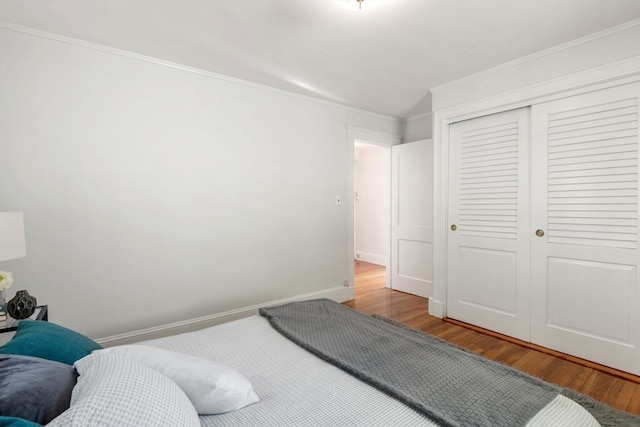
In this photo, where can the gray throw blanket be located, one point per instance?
(450, 386)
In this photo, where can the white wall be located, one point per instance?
(155, 193)
(372, 225)
(418, 128)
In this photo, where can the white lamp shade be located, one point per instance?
(12, 242)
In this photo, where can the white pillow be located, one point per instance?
(113, 391)
(213, 388)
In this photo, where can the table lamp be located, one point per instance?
(12, 242)
(13, 246)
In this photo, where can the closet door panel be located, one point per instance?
(501, 295)
(570, 277)
(488, 209)
(585, 292)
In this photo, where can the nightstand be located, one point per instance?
(11, 324)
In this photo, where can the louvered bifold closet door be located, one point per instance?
(488, 239)
(585, 293)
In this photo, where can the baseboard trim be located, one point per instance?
(338, 294)
(436, 308)
(371, 258)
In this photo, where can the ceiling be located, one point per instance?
(383, 59)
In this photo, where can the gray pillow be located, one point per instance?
(34, 389)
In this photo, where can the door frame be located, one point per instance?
(371, 137)
(625, 71)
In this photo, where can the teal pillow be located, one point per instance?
(47, 340)
(16, 422)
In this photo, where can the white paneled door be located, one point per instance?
(543, 244)
(585, 290)
(488, 279)
(412, 217)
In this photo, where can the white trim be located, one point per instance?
(351, 208)
(373, 136)
(437, 308)
(537, 55)
(438, 301)
(617, 73)
(157, 61)
(338, 294)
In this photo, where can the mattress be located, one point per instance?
(298, 389)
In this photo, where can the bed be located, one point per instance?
(270, 380)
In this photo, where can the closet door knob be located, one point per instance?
(454, 227)
(539, 233)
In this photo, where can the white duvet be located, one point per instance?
(298, 389)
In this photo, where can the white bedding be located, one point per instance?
(298, 389)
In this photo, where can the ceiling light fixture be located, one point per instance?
(356, 4)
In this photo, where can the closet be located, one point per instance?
(542, 210)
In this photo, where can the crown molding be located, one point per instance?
(537, 55)
(149, 59)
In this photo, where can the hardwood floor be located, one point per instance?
(617, 389)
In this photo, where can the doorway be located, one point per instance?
(381, 140)
(371, 203)
(403, 216)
